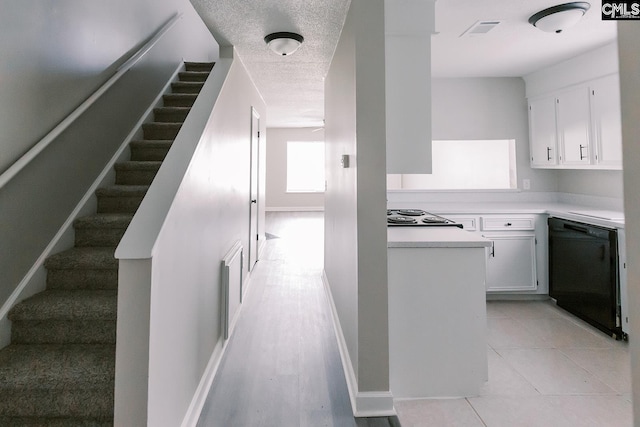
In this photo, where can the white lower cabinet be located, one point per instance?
(511, 261)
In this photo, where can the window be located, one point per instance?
(465, 165)
(305, 166)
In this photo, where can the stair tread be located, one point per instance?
(199, 65)
(104, 220)
(162, 124)
(122, 190)
(181, 95)
(173, 109)
(151, 142)
(62, 304)
(138, 165)
(18, 421)
(199, 76)
(182, 83)
(57, 366)
(98, 258)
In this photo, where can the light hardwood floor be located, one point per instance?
(282, 365)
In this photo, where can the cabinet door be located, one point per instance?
(606, 122)
(542, 132)
(511, 262)
(573, 115)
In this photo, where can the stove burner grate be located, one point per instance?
(401, 220)
(411, 212)
(433, 220)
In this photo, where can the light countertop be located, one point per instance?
(581, 213)
(434, 237)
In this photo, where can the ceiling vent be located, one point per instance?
(480, 28)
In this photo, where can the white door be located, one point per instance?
(254, 201)
(511, 262)
(573, 125)
(542, 128)
(607, 127)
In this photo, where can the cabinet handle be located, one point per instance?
(548, 153)
(582, 157)
(508, 224)
(493, 249)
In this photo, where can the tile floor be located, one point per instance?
(546, 369)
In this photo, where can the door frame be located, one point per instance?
(254, 189)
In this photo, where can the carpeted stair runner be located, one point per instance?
(59, 369)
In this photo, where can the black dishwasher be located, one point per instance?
(583, 272)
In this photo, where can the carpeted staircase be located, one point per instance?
(59, 369)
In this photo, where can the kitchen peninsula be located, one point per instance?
(437, 312)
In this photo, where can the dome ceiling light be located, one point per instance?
(557, 18)
(284, 43)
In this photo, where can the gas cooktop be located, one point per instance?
(417, 217)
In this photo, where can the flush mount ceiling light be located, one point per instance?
(284, 43)
(555, 19)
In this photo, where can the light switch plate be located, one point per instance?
(344, 161)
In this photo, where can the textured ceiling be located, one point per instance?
(293, 86)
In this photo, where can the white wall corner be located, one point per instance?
(363, 404)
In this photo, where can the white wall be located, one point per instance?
(355, 204)
(208, 211)
(54, 56)
(590, 65)
(628, 36)
(277, 197)
(487, 108)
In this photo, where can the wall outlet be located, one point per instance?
(526, 184)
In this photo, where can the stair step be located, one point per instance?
(120, 198)
(56, 422)
(82, 268)
(193, 76)
(149, 150)
(67, 305)
(159, 130)
(66, 316)
(101, 230)
(57, 380)
(199, 66)
(83, 259)
(186, 87)
(136, 173)
(171, 114)
(179, 99)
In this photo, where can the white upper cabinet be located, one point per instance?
(573, 113)
(606, 125)
(542, 132)
(577, 127)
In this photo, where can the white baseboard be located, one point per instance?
(202, 392)
(204, 387)
(363, 403)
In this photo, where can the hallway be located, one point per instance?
(282, 365)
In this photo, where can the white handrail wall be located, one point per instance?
(26, 158)
(169, 333)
